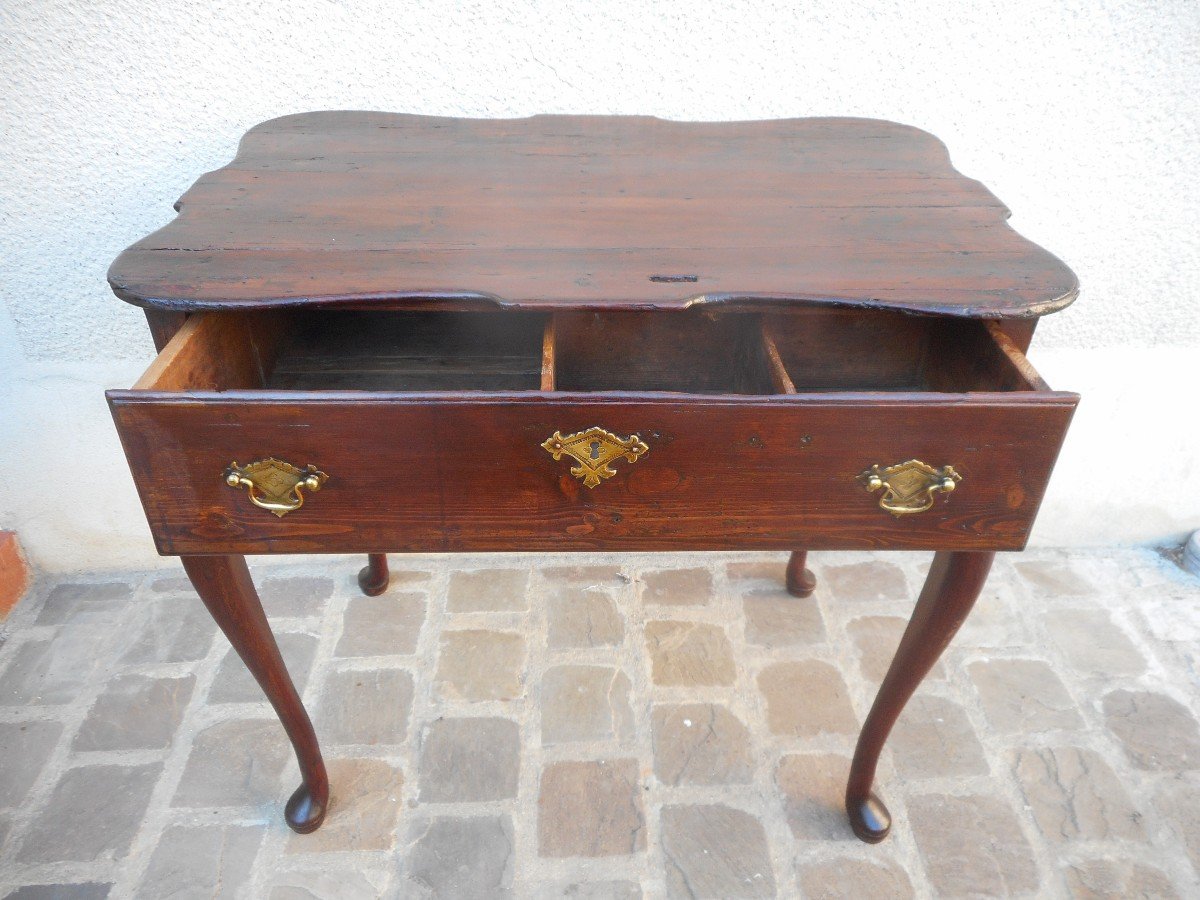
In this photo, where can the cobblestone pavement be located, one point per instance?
(607, 726)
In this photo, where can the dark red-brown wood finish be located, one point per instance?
(799, 580)
(223, 583)
(598, 212)
(373, 577)
(953, 585)
(416, 306)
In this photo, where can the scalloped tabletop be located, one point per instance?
(590, 212)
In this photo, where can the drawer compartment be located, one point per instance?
(748, 442)
(435, 351)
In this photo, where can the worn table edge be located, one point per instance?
(467, 298)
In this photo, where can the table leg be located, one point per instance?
(954, 582)
(800, 581)
(373, 577)
(223, 583)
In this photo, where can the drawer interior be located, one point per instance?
(809, 350)
(404, 351)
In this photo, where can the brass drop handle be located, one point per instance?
(275, 485)
(909, 487)
(594, 449)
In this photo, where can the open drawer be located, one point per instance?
(432, 431)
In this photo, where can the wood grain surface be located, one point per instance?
(589, 212)
(445, 472)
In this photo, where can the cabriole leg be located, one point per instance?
(954, 582)
(800, 581)
(373, 577)
(223, 583)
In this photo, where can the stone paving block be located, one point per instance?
(806, 698)
(461, 858)
(49, 673)
(135, 712)
(771, 572)
(90, 890)
(715, 851)
(700, 743)
(201, 861)
(107, 599)
(876, 638)
(585, 575)
(1054, 578)
(93, 812)
(1178, 800)
(585, 619)
(585, 703)
(481, 665)
(838, 879)
(1074, 795)
(774, 618)
(330, 882)
(364, 807)
(1111, 879)
(24, 749)
(365, 707)
(234, 763)
(55, 670)
(1156, 731)
(993, 622)
(1092, 643)
(171, 630)
(1172, 616)
(488, 590)
(304, 595)
(677, 587)
(173, 585)
(689, 654)
(972, 846)
(813, 790)
(934, 739)
(591, 809)
(234, 683)
(1023, 696)
(865, 581)
(600, 890)
(381, 626)
(404, 577)
(469, 759)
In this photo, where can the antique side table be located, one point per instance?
(391, 333)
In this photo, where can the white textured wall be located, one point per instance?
(1083, 117)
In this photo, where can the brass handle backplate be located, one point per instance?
(274, 485)
(909, 487)
(594, 450)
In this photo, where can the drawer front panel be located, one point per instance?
(436, 473)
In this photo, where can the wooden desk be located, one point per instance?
(386, 333)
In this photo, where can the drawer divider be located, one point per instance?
(781, 381)
(548, 360)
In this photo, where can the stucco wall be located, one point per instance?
(1083, 117)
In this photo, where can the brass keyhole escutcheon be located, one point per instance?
(275, 485)
(594, 449)
(909, 487)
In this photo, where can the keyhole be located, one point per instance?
(595, 449)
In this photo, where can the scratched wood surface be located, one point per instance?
(418, 462)
(581, 212)
(457, 472)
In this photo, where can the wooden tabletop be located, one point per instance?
(557, 212)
